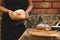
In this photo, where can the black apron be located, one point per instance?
(12, 29)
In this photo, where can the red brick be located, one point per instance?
(52, 0)
(56, 4)
(46, 11)
(39, 11)
(42, 4)
(1, 14)
(54, 11)
(1, 2)
(37, 0)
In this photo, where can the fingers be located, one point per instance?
(10, 13)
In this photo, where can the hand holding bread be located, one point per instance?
(18, 15)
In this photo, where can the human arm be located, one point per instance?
(29, 8)
(3, 9)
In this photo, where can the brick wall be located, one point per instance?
(46, 7)
(1, 3)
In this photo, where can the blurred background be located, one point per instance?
(44, 11)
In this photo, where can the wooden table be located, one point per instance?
(27, 36)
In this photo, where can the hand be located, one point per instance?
(27, 14)
(11, 13)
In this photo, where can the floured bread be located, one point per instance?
(18, 14)
(42, 27)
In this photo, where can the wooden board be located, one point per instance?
(43, 33)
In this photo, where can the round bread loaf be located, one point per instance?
(18, 14)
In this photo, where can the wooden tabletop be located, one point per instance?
(46, 33)
(27, 36)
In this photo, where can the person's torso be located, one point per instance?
(14, 5)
